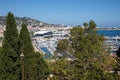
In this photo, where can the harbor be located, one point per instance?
(45, 40)
(112, 41)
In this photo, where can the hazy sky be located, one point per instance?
(68, 12)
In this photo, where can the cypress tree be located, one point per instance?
(9, 59)
(28, 51)
(41, 67)
(35, 68)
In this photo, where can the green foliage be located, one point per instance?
(64, 47)
(0, 50)
(118, 59)
(28, 50)
(25, 41)
(77, 37)
(92, 27)
(76, 70)
(117, 65)
(86, 42)
(116, 68)
(61, 70)
(41, 67)
(88, 48)
(90, 62)
(1, 38)
(35, 68)
(85, 25)
(9, 59)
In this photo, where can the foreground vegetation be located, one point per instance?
(89, 60)
(35, 68)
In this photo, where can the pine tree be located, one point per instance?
(9, 59)
(118, 59)
(88, 47)
(64, 47)
(85, 25)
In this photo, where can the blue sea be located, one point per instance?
(109, 33)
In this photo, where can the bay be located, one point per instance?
(109, 33)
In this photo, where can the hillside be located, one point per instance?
(29, 22)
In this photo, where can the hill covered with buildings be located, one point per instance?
(29, 22)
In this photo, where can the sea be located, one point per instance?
(109, 33)
(113, 41)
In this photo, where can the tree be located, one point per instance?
(110, 64)
(117, 68)
(92, 26)
(62, 70)
(64, 47)
(10, 57)
(41, 68)
(118, 59)
(89, 51)
(28, 50)
(89, 63)
(85, 25)
(35, 68)
(77, 37)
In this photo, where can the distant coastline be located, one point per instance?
(109, 28)
(109, 32)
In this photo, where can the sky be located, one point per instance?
(106, 13)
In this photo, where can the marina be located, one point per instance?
(112, 37)
(45, 40)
